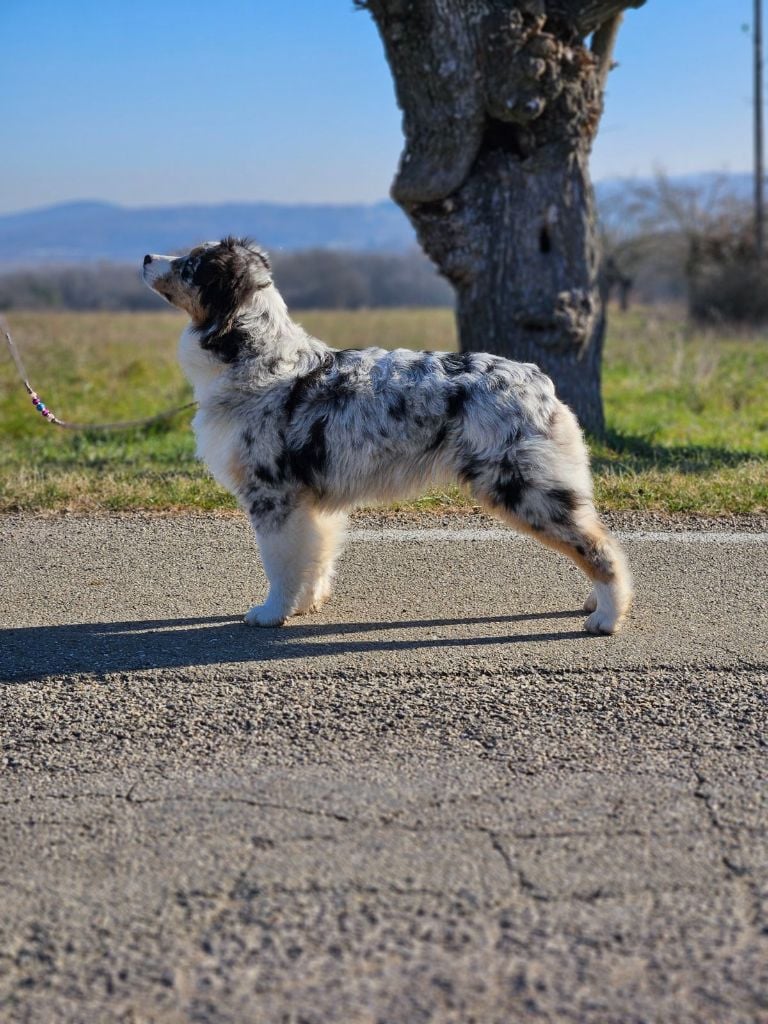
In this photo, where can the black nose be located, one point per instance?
(147, 259)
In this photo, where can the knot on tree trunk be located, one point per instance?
(527, 68)
(461, 70)
(565, 326)
(575, 313)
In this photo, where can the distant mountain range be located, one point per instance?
(92, 232)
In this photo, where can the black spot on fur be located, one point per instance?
(438, 439)
(248, 437)
(227, 346)
(272, 510)
(471, 470)
(302, 386)
(457, 401)
(281, 464)
(398, 407)
(562, 504)
(346, 356)
(261, 505)
(339, 388)
(308, 462)
(457, 362)
(420, 367)
(262, 472)
(510, 488)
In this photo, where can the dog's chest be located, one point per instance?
(219, 446)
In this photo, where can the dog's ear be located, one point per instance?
(248, 268)
(259, 263)
(229, 275)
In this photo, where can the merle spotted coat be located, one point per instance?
(301, 432)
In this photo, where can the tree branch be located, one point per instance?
(588, 15)
(603, 44)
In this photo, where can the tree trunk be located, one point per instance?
(501, 100)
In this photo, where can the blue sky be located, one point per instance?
(182, 101)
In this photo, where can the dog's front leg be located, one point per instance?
(281, 555)
(286, 553)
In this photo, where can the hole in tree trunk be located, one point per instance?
(545, 240)
(537, 326)
(500, 136)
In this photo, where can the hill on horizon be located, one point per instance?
(88, 231)
(91, 231)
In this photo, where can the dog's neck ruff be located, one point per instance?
(268, 323)
(273, 346)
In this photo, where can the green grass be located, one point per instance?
(687, 412)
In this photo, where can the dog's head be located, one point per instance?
(213, 283)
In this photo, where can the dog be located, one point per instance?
(300, 432)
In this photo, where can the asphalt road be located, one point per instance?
(436, 801)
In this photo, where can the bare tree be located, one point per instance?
(702, 233)
(501, 100)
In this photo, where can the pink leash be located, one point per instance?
(46, 413)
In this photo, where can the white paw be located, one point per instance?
(320, 594)
(602, 622)
(307, 606)
(263, 615)
(590, 604)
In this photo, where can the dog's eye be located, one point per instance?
(203, 273)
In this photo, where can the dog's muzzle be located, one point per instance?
(155, 267)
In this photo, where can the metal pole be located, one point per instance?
(759, 221)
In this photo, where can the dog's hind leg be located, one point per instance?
(599, 555)
(544, 488)
(570, 524)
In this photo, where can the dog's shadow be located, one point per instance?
(34, 652)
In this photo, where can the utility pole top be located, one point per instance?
(759, 172)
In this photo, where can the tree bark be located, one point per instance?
(501, 100)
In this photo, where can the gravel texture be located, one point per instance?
(436, 801)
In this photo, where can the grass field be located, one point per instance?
(687, 412)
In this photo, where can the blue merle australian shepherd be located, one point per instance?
(300, 432)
